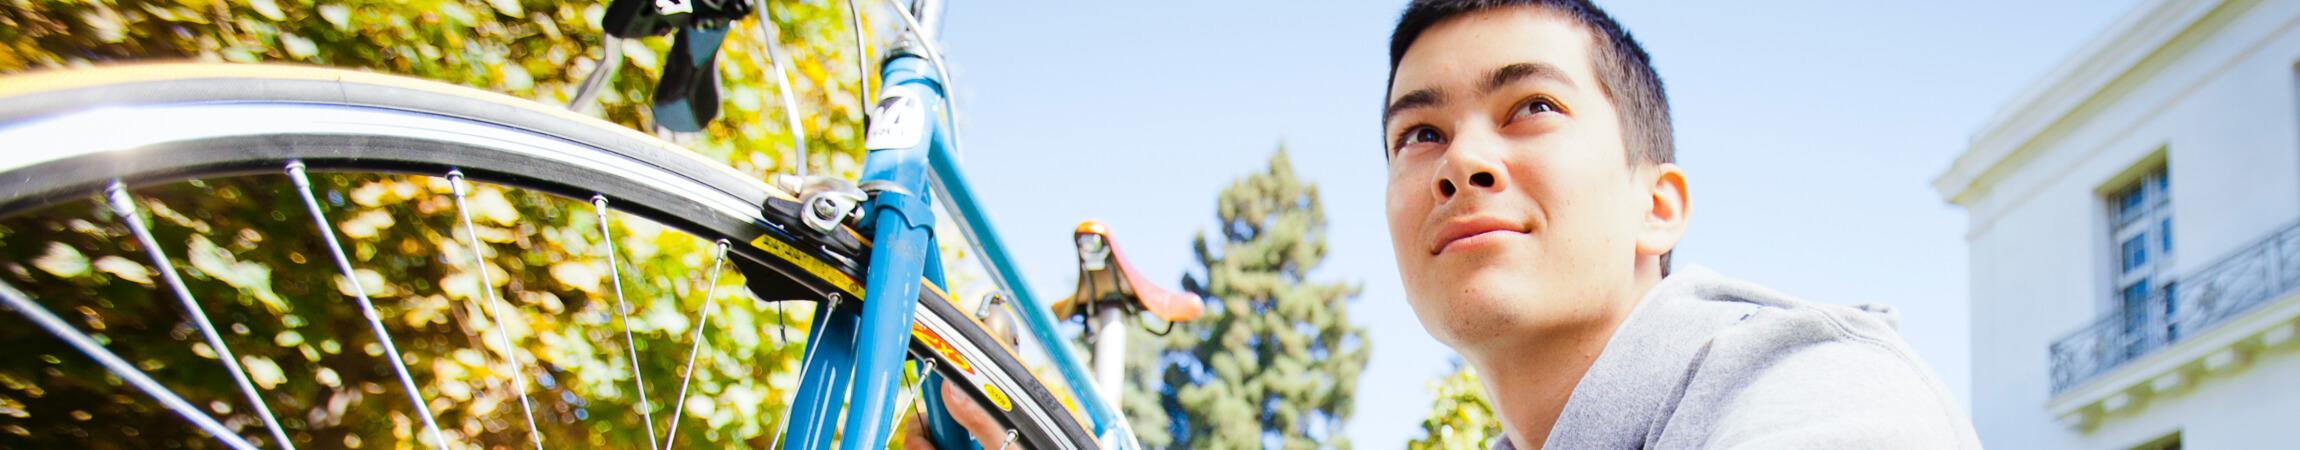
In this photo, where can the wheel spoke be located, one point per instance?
(906, 399)
(710, 296)
(495, 306)
(295, 171)
(809, 355)
(125, 206)
(783, 338)
(646, 410)
(21, 303)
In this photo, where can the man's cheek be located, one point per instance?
(1404, 221)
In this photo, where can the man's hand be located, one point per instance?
(966, 412)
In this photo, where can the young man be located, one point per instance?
(1533, 205)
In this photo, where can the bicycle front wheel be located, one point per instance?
(292, 256)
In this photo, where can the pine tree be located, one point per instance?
(1275, 361)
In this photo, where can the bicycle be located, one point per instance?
(210, 133)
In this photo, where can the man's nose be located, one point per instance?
(1469, 166)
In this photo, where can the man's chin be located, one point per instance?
(1469, 321)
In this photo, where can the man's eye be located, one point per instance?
(1536, 106)
(1420, 135)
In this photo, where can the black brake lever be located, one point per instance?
(633, 19)
(687, 97)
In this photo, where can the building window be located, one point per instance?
(2141, 218)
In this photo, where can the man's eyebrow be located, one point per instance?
(1500, 77)
(1514, 72)
(1419, 98)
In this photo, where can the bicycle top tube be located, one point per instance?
(957, 197)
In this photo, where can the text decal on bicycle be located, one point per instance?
(898, 121)
(808, 263)
(934, 341)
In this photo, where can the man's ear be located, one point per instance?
(1665, 219)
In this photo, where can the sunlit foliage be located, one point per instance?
(251, 255)
(1460, 418)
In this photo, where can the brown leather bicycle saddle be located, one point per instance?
(1105, 277)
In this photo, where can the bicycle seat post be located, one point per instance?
(1109, 358)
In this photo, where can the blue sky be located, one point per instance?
(1811, 131)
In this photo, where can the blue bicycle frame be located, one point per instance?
(866, 348)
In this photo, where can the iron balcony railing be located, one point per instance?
(2246, 278)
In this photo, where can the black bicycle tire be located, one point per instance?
(40, 96)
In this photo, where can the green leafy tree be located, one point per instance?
(1460, 418)
(249, 252)
(1275, 361)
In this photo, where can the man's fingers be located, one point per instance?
(971, 415)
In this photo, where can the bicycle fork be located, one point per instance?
(866, 348)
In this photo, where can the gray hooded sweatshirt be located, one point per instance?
(1706, 361)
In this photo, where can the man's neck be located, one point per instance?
(1529, 389)
(1530, 379)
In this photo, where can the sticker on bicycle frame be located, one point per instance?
(997, 396)
(808, 263)
(898, 121)
(934, 341)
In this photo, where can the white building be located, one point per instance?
(2135, 238)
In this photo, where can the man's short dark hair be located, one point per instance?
(1624, 71)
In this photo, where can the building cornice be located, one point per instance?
(2046, 105)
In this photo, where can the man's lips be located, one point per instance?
(1468, 227)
